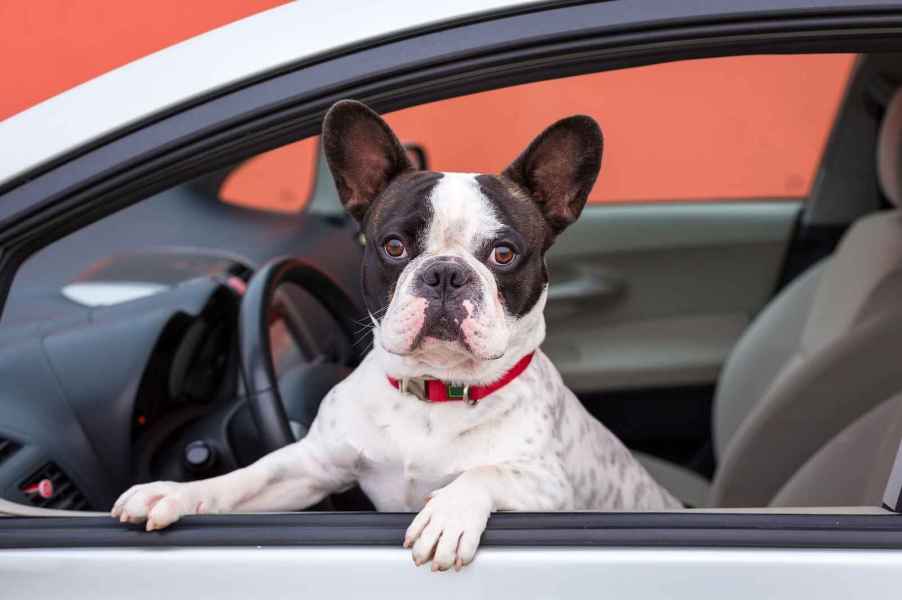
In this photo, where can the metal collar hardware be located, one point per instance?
(418, 387)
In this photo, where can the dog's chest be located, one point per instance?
(410, 448)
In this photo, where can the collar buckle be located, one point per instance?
(415, 387)
(430, 389)
(419, 388)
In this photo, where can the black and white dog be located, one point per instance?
(456, 412)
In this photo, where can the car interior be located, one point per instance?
(744, 348)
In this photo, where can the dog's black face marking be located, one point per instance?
(524, 229)
(402, 211)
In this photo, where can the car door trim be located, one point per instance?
(680, 529)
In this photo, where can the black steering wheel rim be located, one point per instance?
(257, 371)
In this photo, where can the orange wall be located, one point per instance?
(49, 46)
(710, 129)
(735, 127)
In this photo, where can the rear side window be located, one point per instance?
(280, 180)
(734, 128)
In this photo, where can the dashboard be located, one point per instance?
(119, 395)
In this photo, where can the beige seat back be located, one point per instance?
(853, 468)
(823, 354)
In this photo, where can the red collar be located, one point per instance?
(436, 390)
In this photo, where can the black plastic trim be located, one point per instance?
(653, 530)
(809, 244)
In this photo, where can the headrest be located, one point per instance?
(889, 151)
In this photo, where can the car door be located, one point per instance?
(833, 553)
(653, 297)
(523, 555)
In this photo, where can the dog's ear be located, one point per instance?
(559, 168)
(363, 153)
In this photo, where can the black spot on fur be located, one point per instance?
(402, 210)
(526, 231)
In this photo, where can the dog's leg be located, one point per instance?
(291, 478)
(448, 528)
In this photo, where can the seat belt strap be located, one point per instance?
(892, 496)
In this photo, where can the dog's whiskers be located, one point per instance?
(371, 316)
(362, 339)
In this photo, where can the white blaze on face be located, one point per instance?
(463, 222)
(462, 217)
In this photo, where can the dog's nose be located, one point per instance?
(444, 278)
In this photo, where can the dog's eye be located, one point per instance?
(503, 255)
(395, 248)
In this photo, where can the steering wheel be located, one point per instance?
(257, 370)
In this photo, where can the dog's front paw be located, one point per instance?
(160, 504)
(448, 528)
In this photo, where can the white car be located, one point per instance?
(179, 288)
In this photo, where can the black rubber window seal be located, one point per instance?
(585, 530)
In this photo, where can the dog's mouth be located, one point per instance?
(433, 356)
(442, 323)
(441, 340)
(441, 330)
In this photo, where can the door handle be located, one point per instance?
(586, 287)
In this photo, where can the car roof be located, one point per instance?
(209, 62)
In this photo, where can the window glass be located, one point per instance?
(165, 277)
(280, 180)
(711, 129)
(747, 127)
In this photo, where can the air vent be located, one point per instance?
(7, 448)
(50, 487)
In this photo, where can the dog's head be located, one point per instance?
(454, 273)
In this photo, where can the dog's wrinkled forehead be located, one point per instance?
(455, 212)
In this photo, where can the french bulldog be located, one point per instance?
(456, 412)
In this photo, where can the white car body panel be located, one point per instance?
(379, 572)
(206, 63)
